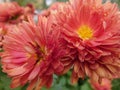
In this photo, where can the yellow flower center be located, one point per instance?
(37, 54)
(85, 32)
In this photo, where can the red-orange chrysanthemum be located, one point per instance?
(9, 11)
(32, 54)
(91, 35)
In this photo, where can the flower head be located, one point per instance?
(34, 54)
(12, 13)
(91, 35)
(9, 11)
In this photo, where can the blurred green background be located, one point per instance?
(61, 82)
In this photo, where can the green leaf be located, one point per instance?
(116, 84)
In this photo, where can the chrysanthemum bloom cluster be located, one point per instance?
(33, 56)
(91, 35)
(82, 35)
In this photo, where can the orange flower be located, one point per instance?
(32, 54)
(91, 36)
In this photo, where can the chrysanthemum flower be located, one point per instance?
(32, 54)
(12, 13)
(91, 35)
(9, 11)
